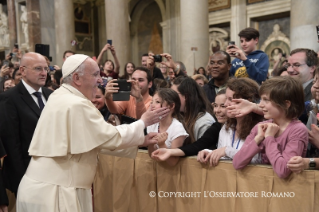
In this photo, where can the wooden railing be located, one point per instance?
(142, 184)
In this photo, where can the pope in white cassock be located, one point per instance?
(68, 136)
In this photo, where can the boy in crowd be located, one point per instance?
(249, 62)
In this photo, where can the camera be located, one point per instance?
(16, 46)
(317, 31)
(123, 92)
(109, 42)
(283, 54)
(157, 58)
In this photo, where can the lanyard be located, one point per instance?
(232, 144)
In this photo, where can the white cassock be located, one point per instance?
(64, 148)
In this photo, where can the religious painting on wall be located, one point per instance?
(214, 5)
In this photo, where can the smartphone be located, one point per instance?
(317, 31)
(231, 43)
(51, 68)
(124, 91)
(109, 42)
(5, 63)
(157, 58)
(16, 46)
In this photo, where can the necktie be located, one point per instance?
(39, 97)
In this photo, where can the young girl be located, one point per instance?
(128, 71)
(197, 110)
(233, 134)
(208, 140)
(176, 133)
(283, 135)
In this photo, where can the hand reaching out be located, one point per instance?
(161, 154)
(243, 107)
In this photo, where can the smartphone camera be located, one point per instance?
(16, 46)
(109, 42)
(231, 44)
(123, 93)
(283, 54)
(157, 58)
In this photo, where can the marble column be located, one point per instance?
(100, 4)
(117, 29)
(64, 27)
(194, 33)
(12, 22)
(238, 19)
(34, 26)
(304, 17)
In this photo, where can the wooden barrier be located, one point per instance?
(123, 185)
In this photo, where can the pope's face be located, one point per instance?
(91, 79)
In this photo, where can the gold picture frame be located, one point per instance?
(215, 5)
(254, 1)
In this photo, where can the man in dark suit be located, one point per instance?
(301, 66)
(20, 109)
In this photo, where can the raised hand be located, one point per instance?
(243, 107)
(154, 116)
(111, 88)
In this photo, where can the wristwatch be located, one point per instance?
(312, 164)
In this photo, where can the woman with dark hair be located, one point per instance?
(16, 76)
(195, 107)
(236, 129)
(99, 102)
(128, 71)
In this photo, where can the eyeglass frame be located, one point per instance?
(37, 69)
(292, 65)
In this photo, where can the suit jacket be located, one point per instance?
(307, 92)
(19, 115)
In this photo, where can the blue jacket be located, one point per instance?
(255, 67)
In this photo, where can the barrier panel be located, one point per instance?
(127, 185)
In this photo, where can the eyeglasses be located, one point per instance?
(292, 65)
(39, 68)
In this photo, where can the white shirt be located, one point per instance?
(31, 91)
(225, 139)
(174, 130)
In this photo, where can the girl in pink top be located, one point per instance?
(283, 135)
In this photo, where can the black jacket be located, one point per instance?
(19, 115)
(208, 141)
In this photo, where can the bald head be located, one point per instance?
(33, 68)
(30, 57)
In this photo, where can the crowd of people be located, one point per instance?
(227, 110)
